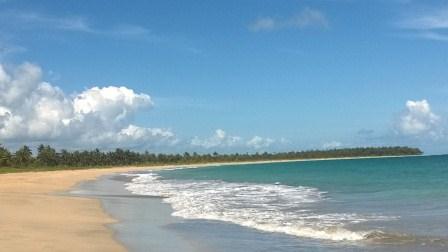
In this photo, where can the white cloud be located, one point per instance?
(433, 19)
(307, 18)
(134, 137)
(35, 110)
(116, 103)
(138, 133)
(72, 23)
(418, 119)
(263, 24)
(332, 145)
(431, 24)
(33, 20)
(258, 142)
(219, 139)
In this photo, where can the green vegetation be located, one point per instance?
(48, 158)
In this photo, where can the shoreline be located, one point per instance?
(218, 163)
(35, 215)
(145, 223)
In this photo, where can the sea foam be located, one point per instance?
(266, 207)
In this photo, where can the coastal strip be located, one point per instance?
(35, 216)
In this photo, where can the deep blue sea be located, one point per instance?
(378, 204)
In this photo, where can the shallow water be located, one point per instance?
(398, 204)
(142, 221)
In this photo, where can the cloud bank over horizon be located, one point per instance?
(220, 139)
(35, 111)
(32, 110)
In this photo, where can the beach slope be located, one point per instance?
(34, 217)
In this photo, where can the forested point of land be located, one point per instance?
(48, 158)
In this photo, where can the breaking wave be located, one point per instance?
(267, 207)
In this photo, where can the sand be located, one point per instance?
(33, 217)
(36, 216)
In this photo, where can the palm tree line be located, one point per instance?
(47, 156)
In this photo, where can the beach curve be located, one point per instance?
(34, 216)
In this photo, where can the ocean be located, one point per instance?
(374, 204)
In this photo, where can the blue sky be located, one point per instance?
(236, 75)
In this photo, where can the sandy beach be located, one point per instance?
(34, 216)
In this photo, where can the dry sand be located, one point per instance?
(34, 218)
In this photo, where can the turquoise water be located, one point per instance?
(381, 202)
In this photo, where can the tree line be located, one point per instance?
(47, 156)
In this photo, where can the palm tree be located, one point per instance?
(47, 155)
(5, 157)
(23, 156)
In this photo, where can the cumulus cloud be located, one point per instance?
(134, 136)
(34, 110)
(307, 18)
(219, 139)
(418, 119)
(116, 103)
(258, 142)
(332, 145)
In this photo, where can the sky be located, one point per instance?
(226, 76)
